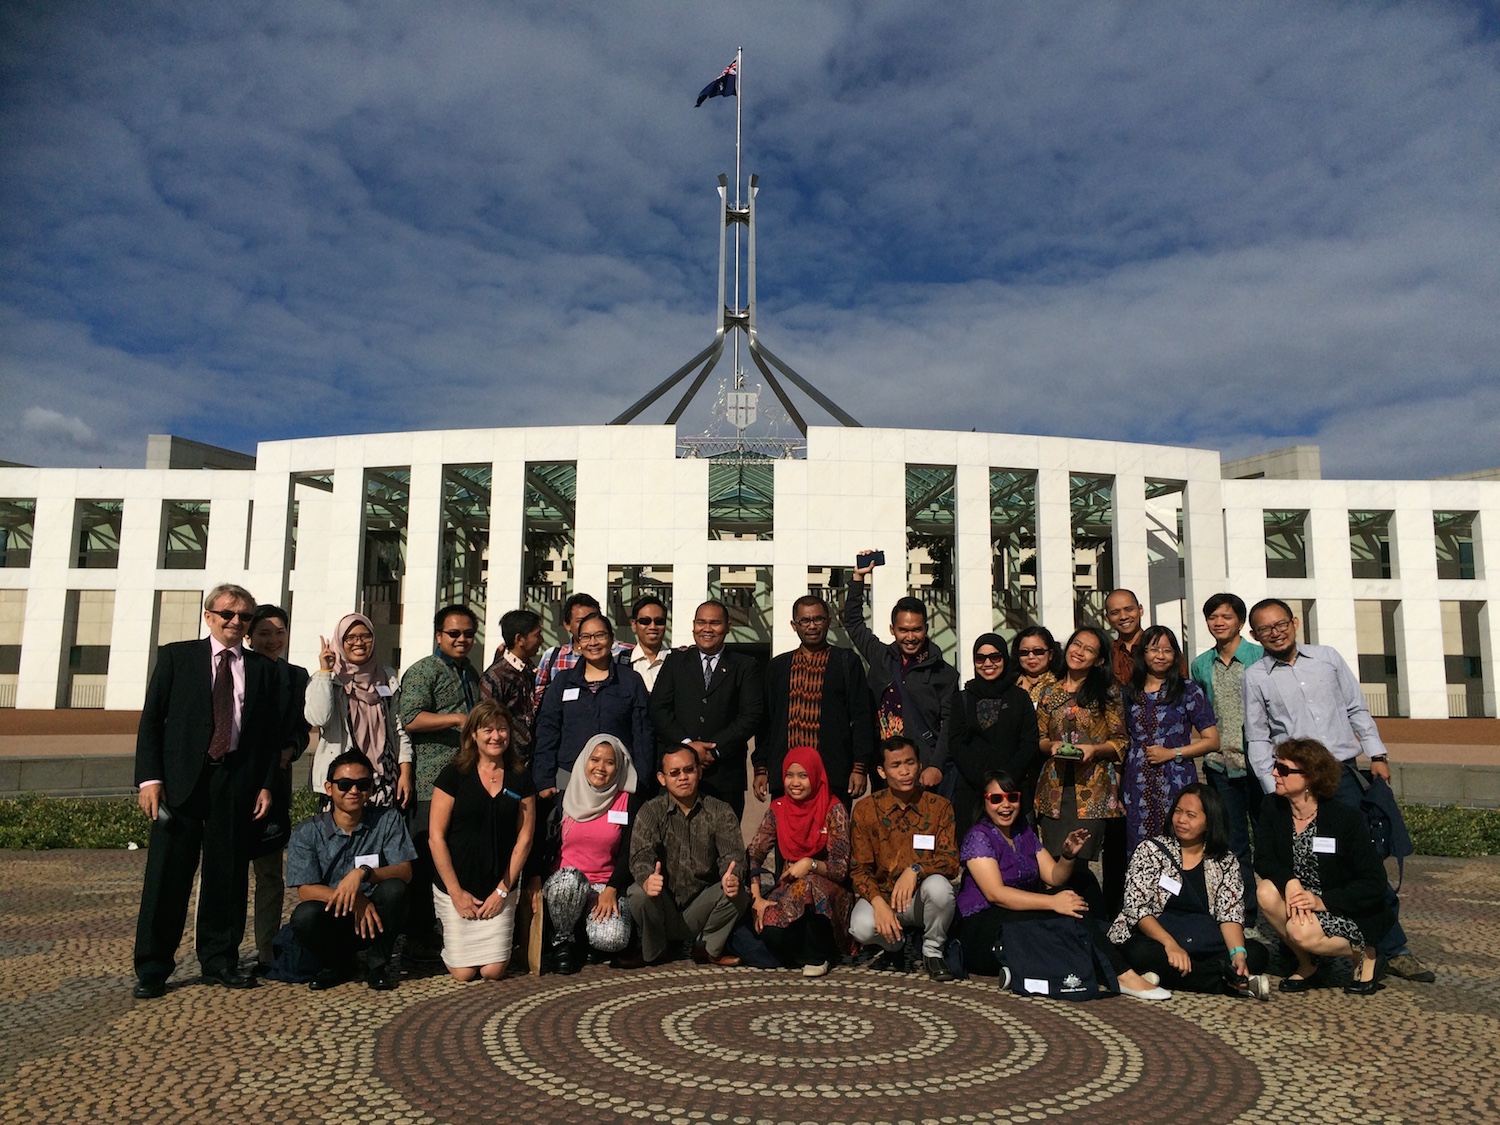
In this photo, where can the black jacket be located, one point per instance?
(727, 713)
(930, 685)
(177, 722)
(846, 720)
(1011, 743)
(1353, 878)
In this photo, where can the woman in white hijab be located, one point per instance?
(593, 850)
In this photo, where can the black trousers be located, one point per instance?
(333, 941)
(807, 941)
(1147, 955)
(214, 825)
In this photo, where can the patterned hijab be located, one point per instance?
(802, 826)
(581, 800)
(360, 683)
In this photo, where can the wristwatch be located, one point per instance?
(367, 869)
(916, 869)
(1178, 756)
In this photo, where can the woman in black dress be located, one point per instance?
(482, 821)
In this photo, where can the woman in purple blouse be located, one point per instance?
(1007, 877)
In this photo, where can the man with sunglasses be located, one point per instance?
(206, 759)
(1308, 691)
(648, 620)
(351, 866)
(437, 694)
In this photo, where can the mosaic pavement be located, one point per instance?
(687, 1044)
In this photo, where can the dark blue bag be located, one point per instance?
(1054, 956)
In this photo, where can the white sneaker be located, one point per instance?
(1260, 986)
(820, 970)
(1003, 980)
(1154, 993)
(1153, 979)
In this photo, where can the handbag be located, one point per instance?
(1055, 956)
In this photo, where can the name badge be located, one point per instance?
(1037, 985)
(923, 843)
(1325, 845)
(570, 694)
(1170, 885)
(384, 691)
(619, 816)
(372, 860)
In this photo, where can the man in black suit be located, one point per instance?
(816, 696)
(205, 764)
(711, 700)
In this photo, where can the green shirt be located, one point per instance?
(433, 684)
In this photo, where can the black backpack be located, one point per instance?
(1382, 816)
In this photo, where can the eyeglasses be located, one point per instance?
(821, 619)
(455, 634)
(1085, 648)
(229, 615)
(1023, 653)
(1004, 797)
(650, 620)
(1285, 770)
(588, 638)
(682, 771)
(990, 658)
(363, 784)
(360, 639)
(1272, 629)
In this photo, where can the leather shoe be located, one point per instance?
(631, 960)
(564, 964)
(723, 960)
(1302, 984)
(229, 978)
(381, 979)
(937, 968)
(149, 989)
(1363, 987)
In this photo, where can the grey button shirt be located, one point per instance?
(1316, 696)
(322, 852)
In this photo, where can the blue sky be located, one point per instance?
(1233, 226)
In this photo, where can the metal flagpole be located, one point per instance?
(739, 103)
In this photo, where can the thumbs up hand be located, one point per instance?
(731, 881)
(654, 882)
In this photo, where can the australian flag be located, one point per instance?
(721, 87)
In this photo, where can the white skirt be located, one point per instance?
(473, 942)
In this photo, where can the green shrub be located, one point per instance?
(1449, 830)
(42, 823)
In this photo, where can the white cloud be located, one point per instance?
(1231, 227)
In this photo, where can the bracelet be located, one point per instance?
(1239, 949)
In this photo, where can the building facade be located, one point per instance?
(99, 567)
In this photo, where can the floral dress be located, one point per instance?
(1147, 790)
(1061, 719)
(823, 894)
(1305, 867)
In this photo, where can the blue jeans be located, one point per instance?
(1394, 942)
(1241, 797)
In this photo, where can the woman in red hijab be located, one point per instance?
(804, 918)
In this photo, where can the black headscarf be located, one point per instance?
(981, 688)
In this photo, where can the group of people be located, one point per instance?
(596, 792)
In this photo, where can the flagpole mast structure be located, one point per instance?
(739, 106)
(735, 319)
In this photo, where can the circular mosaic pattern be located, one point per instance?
(694, 1045)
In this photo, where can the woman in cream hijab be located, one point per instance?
(593, 871)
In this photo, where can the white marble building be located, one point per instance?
(99, 566)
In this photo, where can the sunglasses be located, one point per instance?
(1025, 652)
(990, 658)
(1285, 770)
(466, 634)
(229, 615)
(650, 620)
(1004, 797)
(684, 771)
(363, 784)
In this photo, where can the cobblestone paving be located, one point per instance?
(687, 1044)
